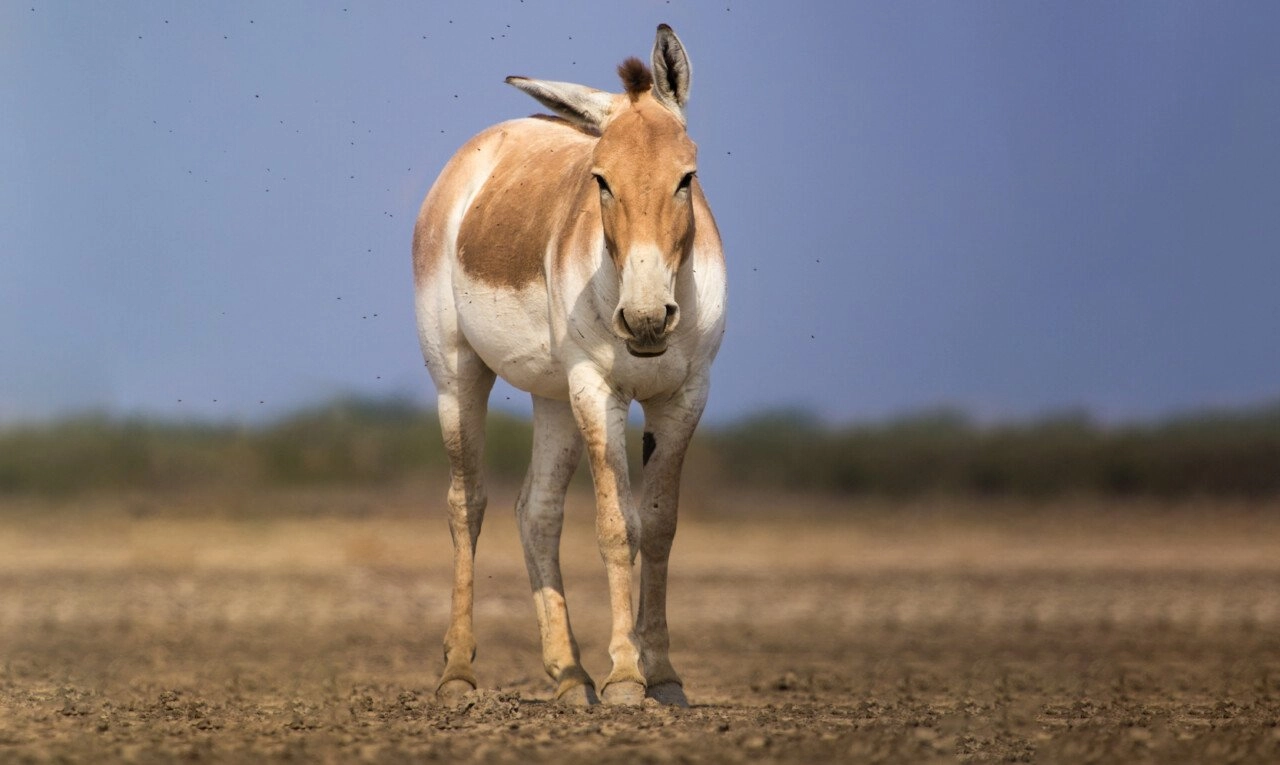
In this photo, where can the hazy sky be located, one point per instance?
(1011, 207)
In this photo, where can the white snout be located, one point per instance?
(647, 311)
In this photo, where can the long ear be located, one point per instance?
(671, 71)
(579, 104)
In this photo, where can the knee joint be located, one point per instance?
(466, 500)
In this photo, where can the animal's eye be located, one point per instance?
(603, 184)
(685, 182)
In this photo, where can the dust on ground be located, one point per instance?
(141, 632)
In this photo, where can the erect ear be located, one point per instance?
(579, 104)
(671, 71)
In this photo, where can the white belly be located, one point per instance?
(510, 332)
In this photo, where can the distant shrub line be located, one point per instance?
(1214, 454)
(370, 442)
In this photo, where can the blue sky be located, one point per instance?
(1010, 207)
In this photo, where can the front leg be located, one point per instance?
(601, 414)
(669, 424)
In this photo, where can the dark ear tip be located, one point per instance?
(514, 78)
(665, 28)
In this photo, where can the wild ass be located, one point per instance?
(576, 257)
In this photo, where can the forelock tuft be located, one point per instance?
(636, 77)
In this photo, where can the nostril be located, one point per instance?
(622, 320)
(673, 315)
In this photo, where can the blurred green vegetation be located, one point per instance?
(1209, 454)
(366, 442)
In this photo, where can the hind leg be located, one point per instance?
(463, 383)
(557, 449)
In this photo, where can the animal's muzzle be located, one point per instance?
(646, 330)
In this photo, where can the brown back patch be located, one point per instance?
(528, 197)
(636, 77)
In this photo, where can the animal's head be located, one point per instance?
(645, 167)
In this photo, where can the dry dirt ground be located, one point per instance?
(308, 629)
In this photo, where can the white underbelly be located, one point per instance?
(510, 332)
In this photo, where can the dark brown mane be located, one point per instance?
(636, 78)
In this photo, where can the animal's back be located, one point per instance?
(500, 200)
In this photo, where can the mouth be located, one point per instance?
(645, 353)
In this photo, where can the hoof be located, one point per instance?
(670, 694)
(624, 693)
(453, 692)
(578, 696)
